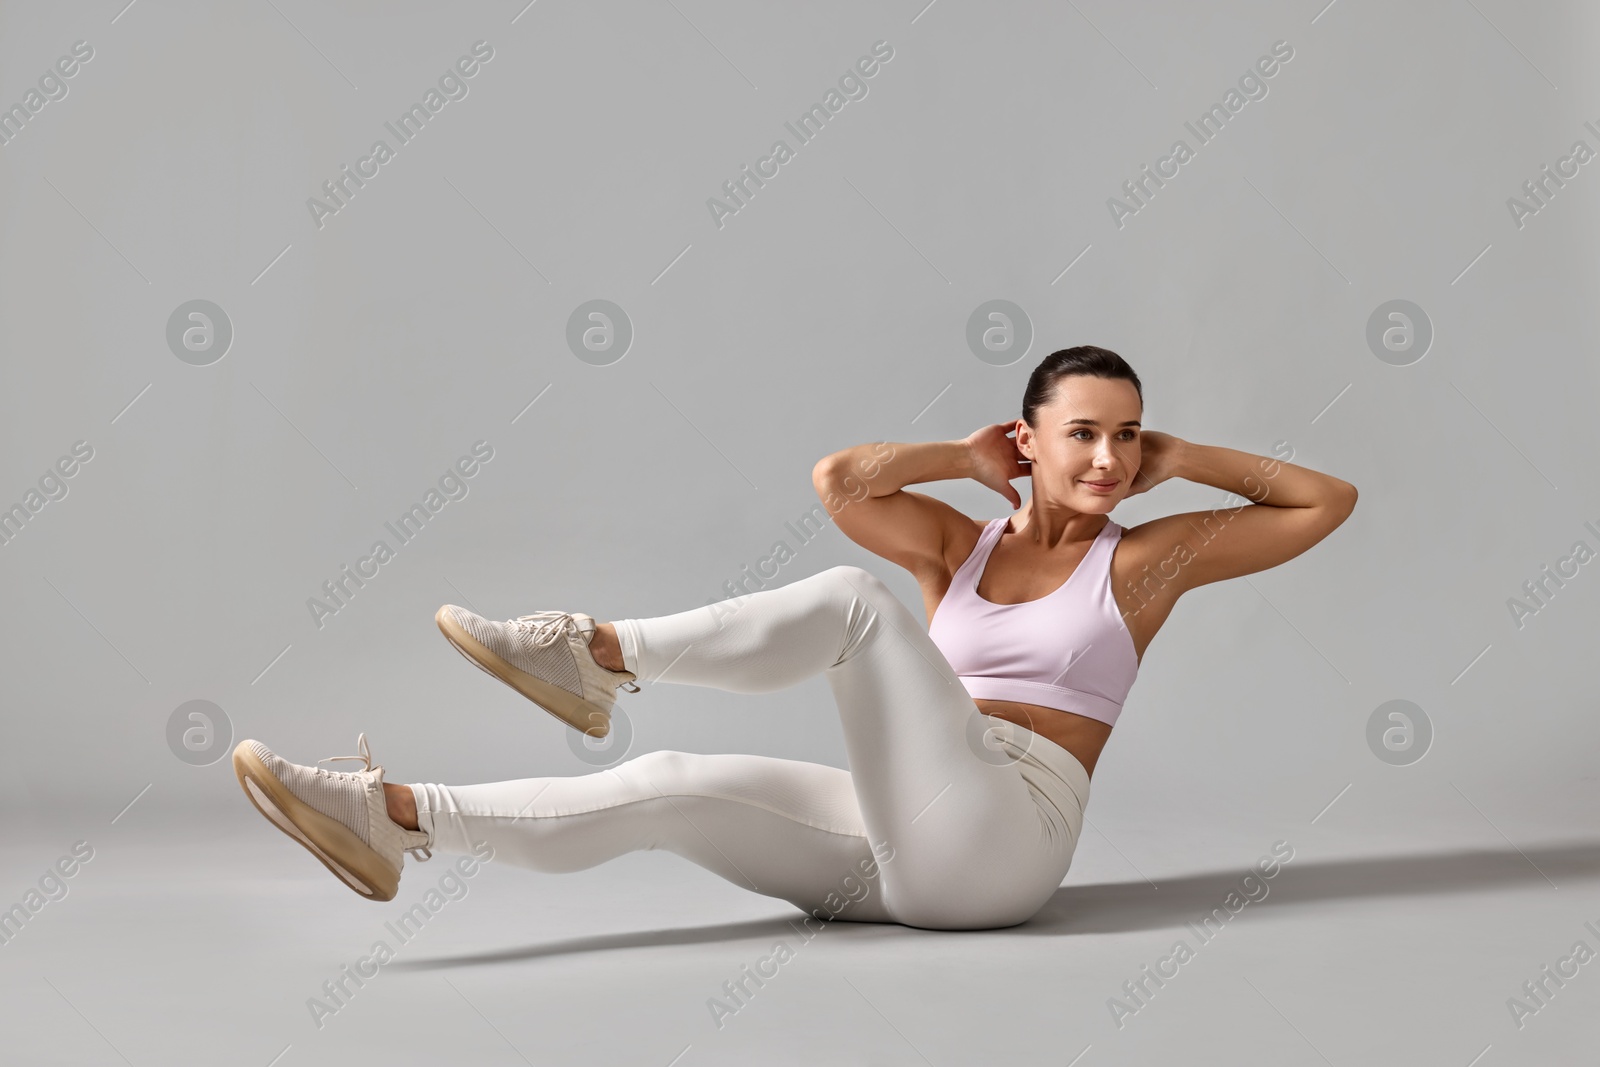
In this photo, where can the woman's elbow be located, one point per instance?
(1346, 496)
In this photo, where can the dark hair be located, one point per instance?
(1084, 359)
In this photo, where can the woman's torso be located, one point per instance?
(1016, 573)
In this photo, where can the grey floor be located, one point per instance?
(198, 936)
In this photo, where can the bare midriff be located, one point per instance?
(1078, 734)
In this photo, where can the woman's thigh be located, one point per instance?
(779, 827)
(970, 842)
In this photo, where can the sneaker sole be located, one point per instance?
(582, 715)
(352, 860)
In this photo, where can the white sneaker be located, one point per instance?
(341, 817)
(545, 657)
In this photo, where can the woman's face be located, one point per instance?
(1088, 433)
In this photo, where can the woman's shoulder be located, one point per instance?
(1141, 541)
(962, 536)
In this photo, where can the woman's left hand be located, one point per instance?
(1158, 460)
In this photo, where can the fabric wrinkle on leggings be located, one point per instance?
(931, 826)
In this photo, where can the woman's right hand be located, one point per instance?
(996, 460)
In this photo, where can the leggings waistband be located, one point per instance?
(1050, 769)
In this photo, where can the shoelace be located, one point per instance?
(548, 626)
(419, 852)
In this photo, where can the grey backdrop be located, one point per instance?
(373, 347)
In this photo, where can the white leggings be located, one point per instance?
(947, 818)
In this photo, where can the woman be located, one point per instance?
(970, 744)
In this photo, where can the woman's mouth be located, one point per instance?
(1102, 487)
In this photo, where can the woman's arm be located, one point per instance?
(863, 488)
(1260, 479)
(1196, 548)
(881, 468)
(988, 455)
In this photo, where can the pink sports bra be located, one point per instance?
(1069, 650)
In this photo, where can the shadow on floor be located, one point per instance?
(1123, 907)
(1120, 907)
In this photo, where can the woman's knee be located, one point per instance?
(663, 770)
(668, 771)
(854, 584)
(857, 578)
